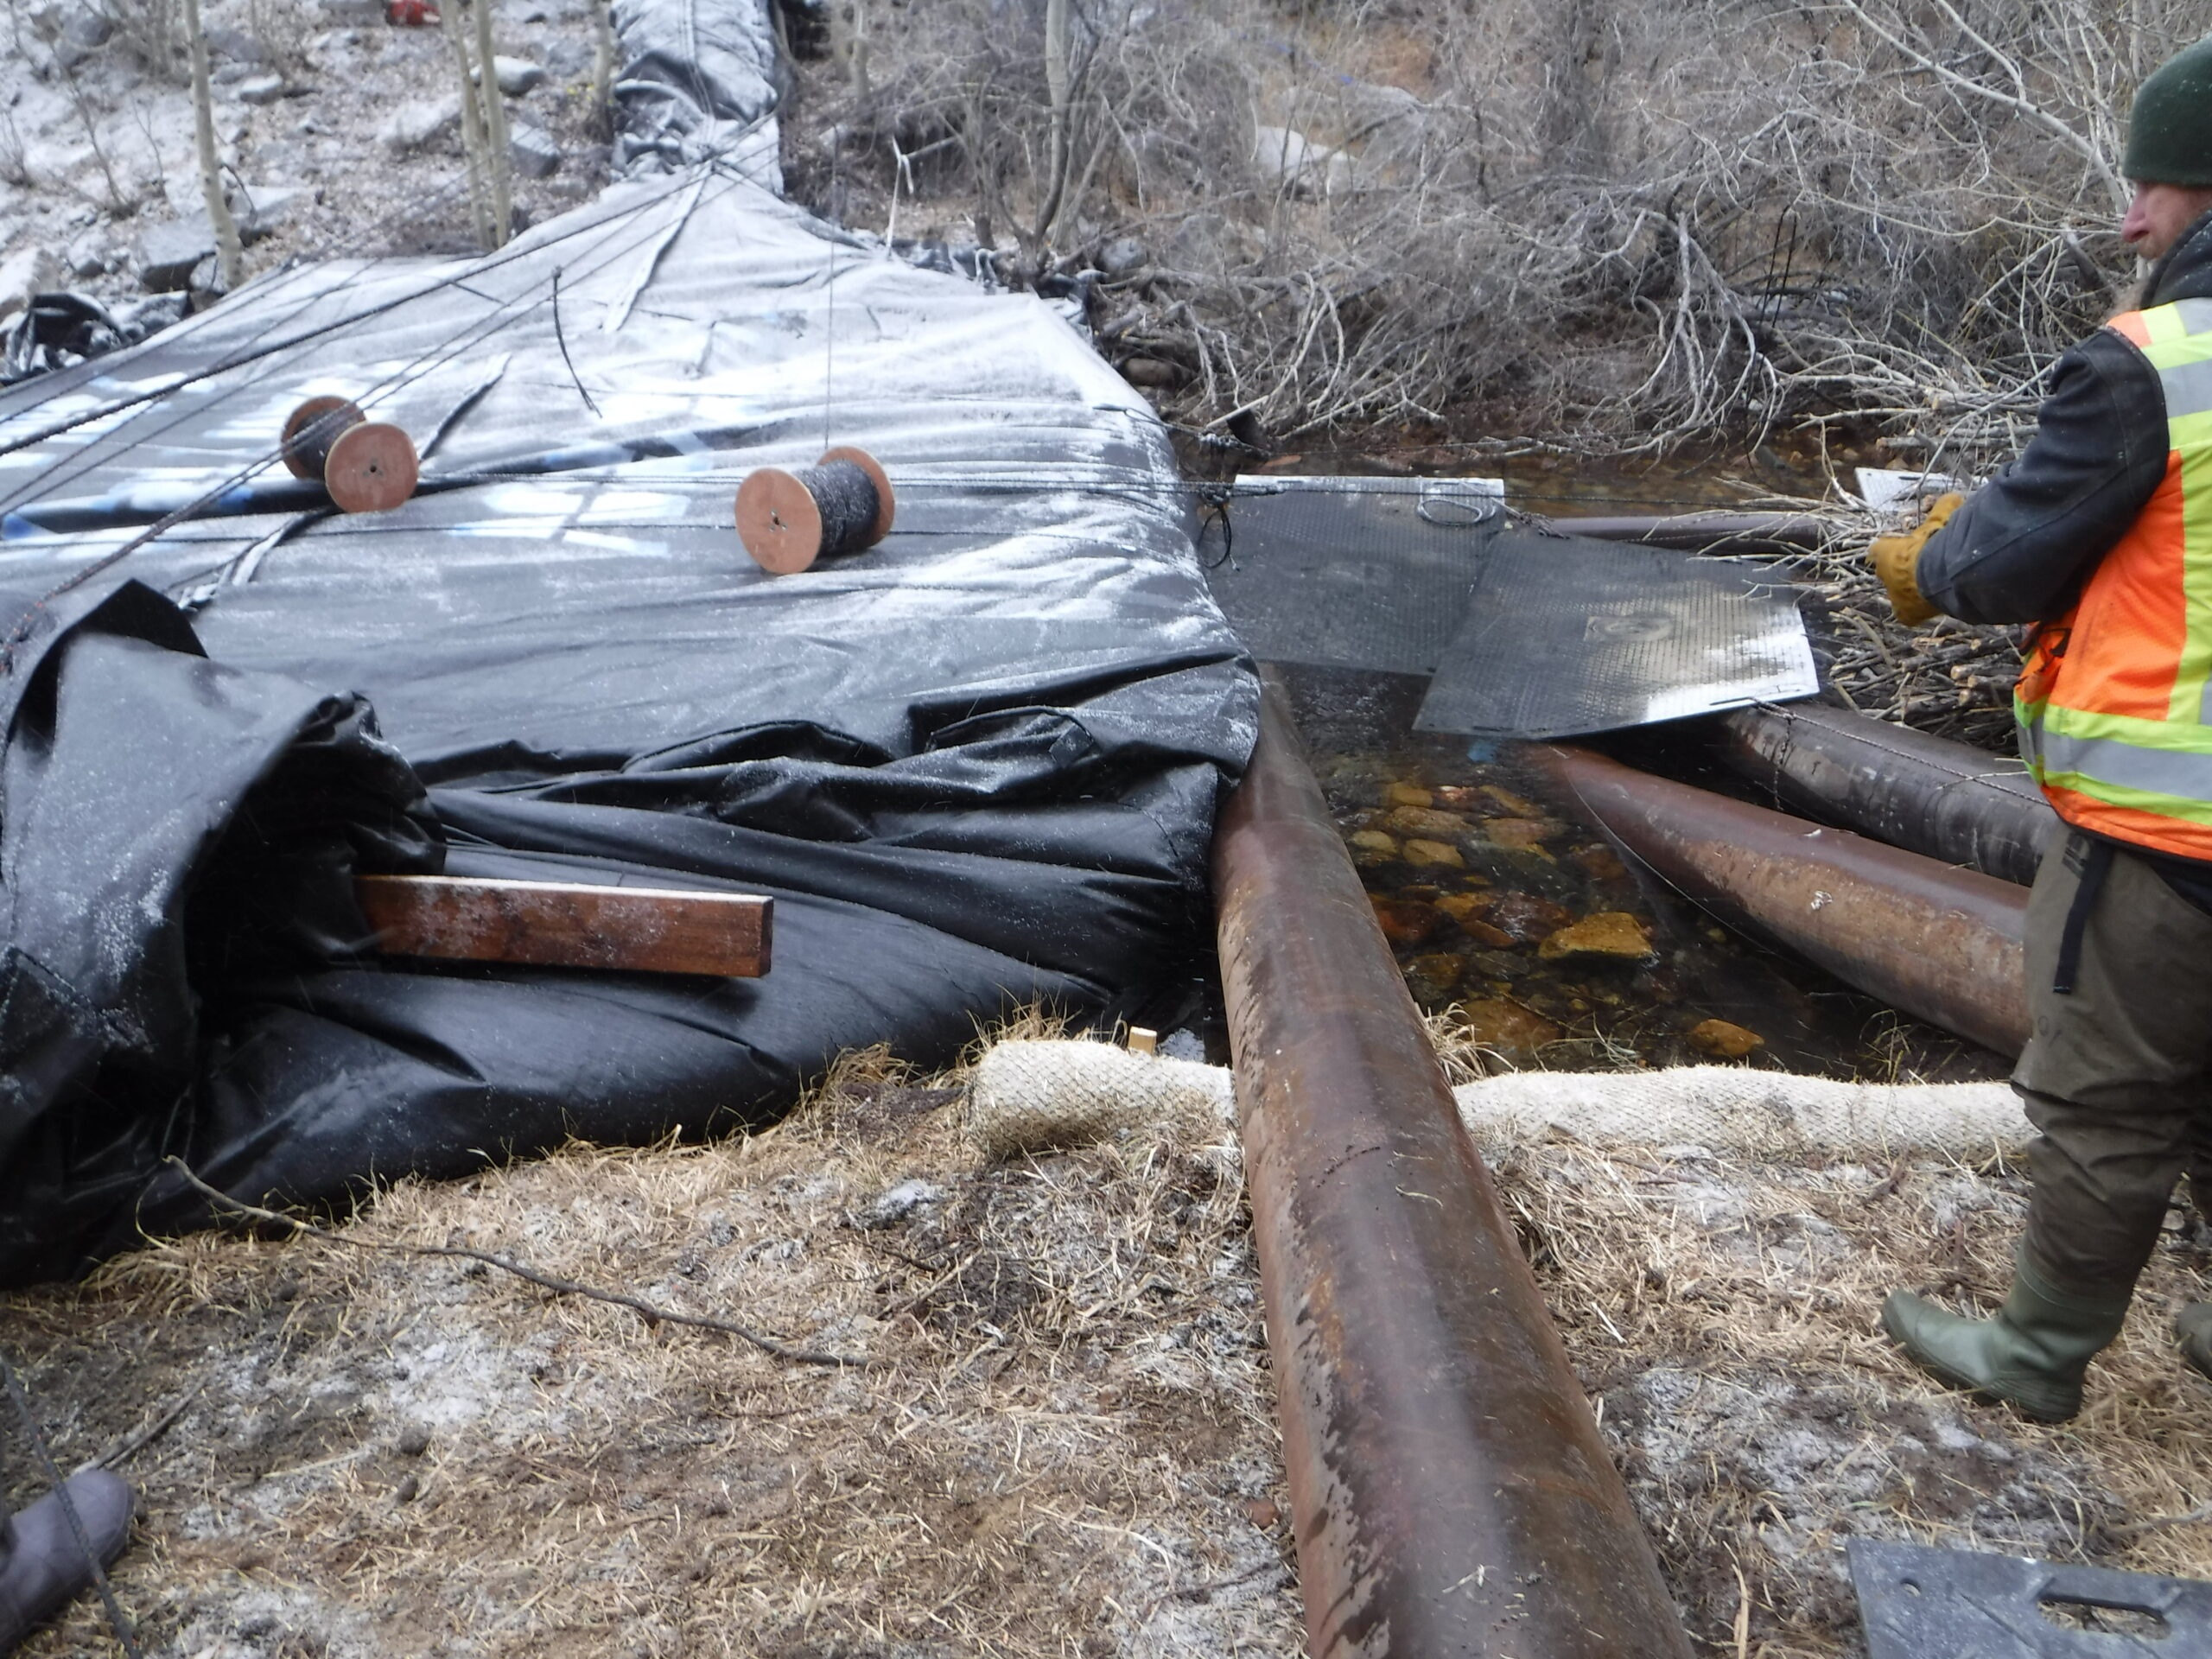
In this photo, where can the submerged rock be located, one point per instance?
(1425, 854)
(1730, 1042)
(1406, 921)
(1408, 795)
(1608, 933)
(1514, 1031)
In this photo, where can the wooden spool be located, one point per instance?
(367, 466)
(842, 504)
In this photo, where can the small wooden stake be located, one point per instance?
(570, 925)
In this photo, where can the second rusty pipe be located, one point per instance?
(1925, 794)
(1939, 943)
(1450, 1492)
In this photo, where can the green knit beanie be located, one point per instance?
(2170, 134)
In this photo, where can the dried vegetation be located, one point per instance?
(1062, 1441)
(1604, 224)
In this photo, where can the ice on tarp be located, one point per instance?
(974, 767)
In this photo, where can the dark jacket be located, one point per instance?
(2021, 547)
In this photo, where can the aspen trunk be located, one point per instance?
(228, 254)
(498, 163)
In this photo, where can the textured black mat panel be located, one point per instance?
(1920, 1603)
(1368, 573)
(1566, 636)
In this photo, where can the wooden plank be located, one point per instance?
(570, 925)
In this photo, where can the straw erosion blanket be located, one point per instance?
(1063, 1440)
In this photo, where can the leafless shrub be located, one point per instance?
(152, 32)
(1624, 225)
(14, 167)
(282, 30)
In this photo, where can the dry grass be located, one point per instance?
(1063, 1443)
(1060, 1444)
(1722, 1315)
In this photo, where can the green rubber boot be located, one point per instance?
(2194, 1327)
(2031, 1356)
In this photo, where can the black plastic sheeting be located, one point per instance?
(974, 767)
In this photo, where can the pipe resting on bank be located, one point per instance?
(1450, 1492)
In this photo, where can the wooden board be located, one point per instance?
(570, 925)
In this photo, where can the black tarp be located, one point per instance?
(975, 766)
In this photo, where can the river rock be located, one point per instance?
(24, 273)
(1515, 807)
(1514, 1031)
(1608, 933)
(1431, 978)
(1730, 1042)
(1407, 922)
(1523, 835)
(1371, 846)
(167, 252)
(1122, 255)
(420, 122)
(1408, 795)
(1527, 919)
(1434, 855)
(1424, 821)
(536, 155)
(1598, 862)
(517, 77)
(235, 44)
(262, 208)
(1284, 155)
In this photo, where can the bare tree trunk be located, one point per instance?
(499, 166)
(1058, 41)
(228, 255)
(472, 130)
(602, 64)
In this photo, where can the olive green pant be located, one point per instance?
(2118, 1075)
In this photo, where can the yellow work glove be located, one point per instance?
(1897, 561)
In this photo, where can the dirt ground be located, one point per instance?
(342, 84)
(1057, 1437)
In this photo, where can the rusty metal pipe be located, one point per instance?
(1942, 944)
(1926, 794)
(1449, 1490)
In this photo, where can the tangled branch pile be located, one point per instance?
(1620, 225)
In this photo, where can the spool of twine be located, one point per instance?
(842, 504)
(367, 466)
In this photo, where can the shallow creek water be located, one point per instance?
(1508, 911)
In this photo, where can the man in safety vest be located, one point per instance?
(2100, 534)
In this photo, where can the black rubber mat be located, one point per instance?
(1566, 636)
(1370, 573)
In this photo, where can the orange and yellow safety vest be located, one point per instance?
(2115, 721)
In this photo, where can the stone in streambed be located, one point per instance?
(1371, 846)
(1730, 1042)
(1407, 922)
(1514, 1032)
(1608, 933)
(1425, 821)
(1431, 978)
(1408, 795)
(1527, 919)
(1429, 853)
(1523, 835)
